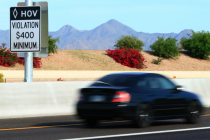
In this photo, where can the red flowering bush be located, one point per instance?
(36, 61)
(128, 57)
(7, 58)
(21, 60)
(59, 79)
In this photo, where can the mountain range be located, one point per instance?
(102, 37)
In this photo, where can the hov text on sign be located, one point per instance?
(25, 30)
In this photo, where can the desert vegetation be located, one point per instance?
(131, 57)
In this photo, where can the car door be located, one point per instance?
(176, 100)
(150, 88)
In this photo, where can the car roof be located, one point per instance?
(133, 73)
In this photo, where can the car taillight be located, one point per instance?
(121, 96)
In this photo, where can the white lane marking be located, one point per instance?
(142, 133)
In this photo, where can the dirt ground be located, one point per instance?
(99, 60)
(18, 80)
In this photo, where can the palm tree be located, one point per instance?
(3, 44)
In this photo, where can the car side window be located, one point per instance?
(154, 84)
(165, 83)
(143, 83)
(148, 83)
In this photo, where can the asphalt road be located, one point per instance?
(69, 127)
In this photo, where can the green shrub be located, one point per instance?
(129, 42)
(1, 78)
(52, 44)
(198, 44)
(166, 48)
(157, 61)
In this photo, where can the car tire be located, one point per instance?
(144, 116)
(193, 113)
(91, 122)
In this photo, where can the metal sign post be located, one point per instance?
(25, 33)
(28, 56)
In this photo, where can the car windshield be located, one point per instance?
(116, 80)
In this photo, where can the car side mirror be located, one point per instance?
(178, 87)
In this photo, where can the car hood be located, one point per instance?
(193, 96)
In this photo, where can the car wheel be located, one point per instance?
(193, 113)
(91, 122)
(144, 116)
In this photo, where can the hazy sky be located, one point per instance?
(151, 16)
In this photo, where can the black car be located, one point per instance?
(138, 96)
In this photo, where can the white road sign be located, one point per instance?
(25, 30)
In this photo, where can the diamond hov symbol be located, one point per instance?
(15, 13)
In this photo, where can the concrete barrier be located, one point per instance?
(59, 98)
(39, 99)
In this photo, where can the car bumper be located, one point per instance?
(203, 110)
(105, 111)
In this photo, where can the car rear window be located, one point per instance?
(117, 80)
